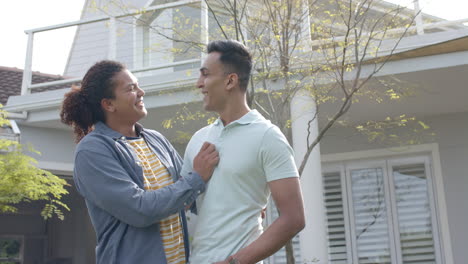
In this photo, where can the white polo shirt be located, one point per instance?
(252, 153)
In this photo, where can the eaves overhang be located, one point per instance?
(153, 85)
(428, 45)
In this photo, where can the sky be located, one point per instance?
(16, 16)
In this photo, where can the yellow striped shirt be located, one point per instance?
(156, 176)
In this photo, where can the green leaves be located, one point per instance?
(22, 181)
(400, 130)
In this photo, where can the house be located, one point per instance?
(366, 202)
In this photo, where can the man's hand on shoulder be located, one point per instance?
(205, 161)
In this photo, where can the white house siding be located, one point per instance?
(55, 145)
(451, 132)
(90, 45)
(91, 42)
(151, 48)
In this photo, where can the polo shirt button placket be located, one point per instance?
(224, 133)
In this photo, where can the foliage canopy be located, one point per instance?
(21, 181)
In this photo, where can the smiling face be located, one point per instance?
(127, 105)
(213, 82)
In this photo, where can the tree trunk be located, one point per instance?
(290, 253)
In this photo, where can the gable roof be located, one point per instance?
(12, 80)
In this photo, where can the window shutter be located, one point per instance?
(370, 216)
(336, 232)
(414, 214)
(381, 211)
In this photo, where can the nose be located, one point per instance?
(141, 92)
(200, 82)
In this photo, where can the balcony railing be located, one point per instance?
(110, 22)
(107, 36)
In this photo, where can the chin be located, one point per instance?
(143, 113)
(207, 107)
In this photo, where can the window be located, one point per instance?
(11, 250)
(381, 211)
(166, 36)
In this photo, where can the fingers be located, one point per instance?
(206, 160)
(208, 148)
(210, 155)
(205, 146)
(213, 155)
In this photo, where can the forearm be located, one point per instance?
(275, 236)
(166, 201)
(288, 199)
(106, 184)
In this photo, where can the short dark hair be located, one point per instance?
(235, 57)
(81, 107)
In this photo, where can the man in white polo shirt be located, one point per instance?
(255, 160)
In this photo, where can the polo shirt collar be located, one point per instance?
(246, 119)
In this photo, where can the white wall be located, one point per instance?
(55, 145)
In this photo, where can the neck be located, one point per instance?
(233, 112)
(127, 130)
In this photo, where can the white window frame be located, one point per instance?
(332, 162)
(21, 253)
(367, 164)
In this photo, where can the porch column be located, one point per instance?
(313, 239)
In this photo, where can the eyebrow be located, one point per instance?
(132, 83)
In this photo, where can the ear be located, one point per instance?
(232, 81)
(107, 105)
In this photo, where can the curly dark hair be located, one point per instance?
(81, 107)
(235, 57)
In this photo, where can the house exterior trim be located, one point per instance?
(60, 168)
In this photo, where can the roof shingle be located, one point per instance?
(11, 79)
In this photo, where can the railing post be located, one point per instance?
(112, 53)
(306, 33)
(204, 36)
(419, 21)
(27, 72)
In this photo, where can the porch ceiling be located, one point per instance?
(434, 92)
